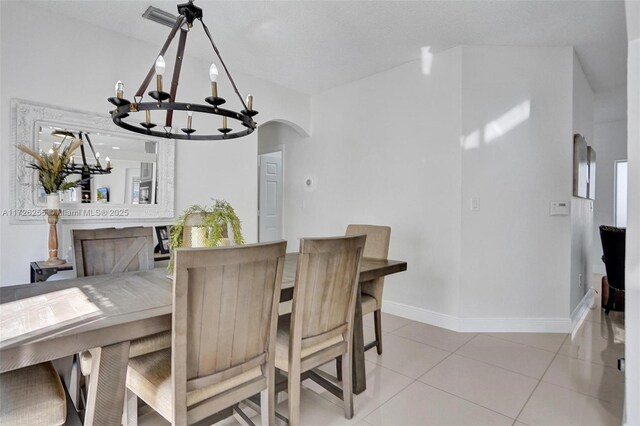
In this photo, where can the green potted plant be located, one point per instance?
(212, 224)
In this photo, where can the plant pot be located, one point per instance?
(53, 201)
(195, 234)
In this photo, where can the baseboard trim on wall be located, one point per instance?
(580, 312)
(493, 325)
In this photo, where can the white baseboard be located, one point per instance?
(493, 325)
(580, 312)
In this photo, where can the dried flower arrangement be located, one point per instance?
(52, 166)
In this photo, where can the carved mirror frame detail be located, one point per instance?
(26, 118)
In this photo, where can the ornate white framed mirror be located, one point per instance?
(141, 182)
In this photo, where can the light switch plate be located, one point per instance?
(475, 204)
(559, 208)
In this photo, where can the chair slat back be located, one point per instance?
(111, 250)
(225, 309)
(378, 238)
(377, 247)
(326, 285)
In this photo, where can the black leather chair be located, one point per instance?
(613, 247)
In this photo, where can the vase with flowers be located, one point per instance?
(52, 175)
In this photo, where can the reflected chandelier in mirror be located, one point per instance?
(140, 186)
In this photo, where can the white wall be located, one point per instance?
(610, 143)
(53, 59)
(516, 158)
(493, 123)
(385, 150)
(632, 262)
(581, 209)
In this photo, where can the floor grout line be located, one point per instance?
(468, 400)
(496, 335)
(536, 387)
(496, 366)
(388, 400)
(433, 346)
(423, 344)
(500, 367)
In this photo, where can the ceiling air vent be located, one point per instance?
(160, 16)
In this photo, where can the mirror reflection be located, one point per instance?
(133, 177)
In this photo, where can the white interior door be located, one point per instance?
(270, 197)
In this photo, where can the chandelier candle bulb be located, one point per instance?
(119, 90)
(249, 102)
(108, 163)
(160, 67)
(148, 117)
(213, 75)
(189, 119)
(224, 122)
(51, 150)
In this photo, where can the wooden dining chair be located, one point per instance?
(377, 247)
(110, 251)
(225, 309)
(320, 326)
(32, 396)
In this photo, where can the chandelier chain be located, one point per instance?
(226, 70)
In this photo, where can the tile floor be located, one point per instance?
(432, 376)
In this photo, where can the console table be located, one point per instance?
(40, 271)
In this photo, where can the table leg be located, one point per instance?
(359, 373)
(107, 385)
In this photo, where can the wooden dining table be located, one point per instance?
(49, 320)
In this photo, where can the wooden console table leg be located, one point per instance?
(107, 385)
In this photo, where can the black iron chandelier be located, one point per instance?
(85, 168)
(164, 101)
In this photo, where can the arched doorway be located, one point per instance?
(273, 138)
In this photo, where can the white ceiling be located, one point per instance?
(311, 46)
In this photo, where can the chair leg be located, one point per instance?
(130, 417)
(268, 398)
(76, 383)
(377, 320)
(294, 395)
(339, 368)
(347, 388)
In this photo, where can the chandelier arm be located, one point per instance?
(215, 49)
(84, 156)
(166, 45)
(176, 73)
(93, 150)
